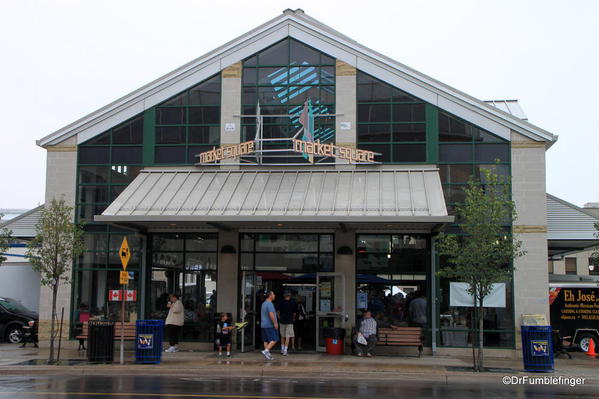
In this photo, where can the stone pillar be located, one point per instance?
(227, 282)
(61, 169)
(347, 264)
(531, 282)
(345, 103)
(230, 126)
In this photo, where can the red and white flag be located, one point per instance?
(131, 296)
(115, 295)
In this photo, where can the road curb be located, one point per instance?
(268, 371)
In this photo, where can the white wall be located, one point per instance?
(19, 281)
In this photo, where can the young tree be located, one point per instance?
(5, 240)
(484, 254)
(57, 242)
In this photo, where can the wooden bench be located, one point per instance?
(129, 332)
(401, 336)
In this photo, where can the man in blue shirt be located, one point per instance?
(269, 325)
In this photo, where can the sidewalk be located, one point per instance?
(14, 361)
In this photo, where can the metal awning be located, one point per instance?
(267, 195)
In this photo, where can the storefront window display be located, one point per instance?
(456, 322)
(185, 264)
(392, 271)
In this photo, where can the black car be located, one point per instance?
(13, 317)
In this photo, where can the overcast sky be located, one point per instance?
(61, 60)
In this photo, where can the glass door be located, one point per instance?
(247, 312)
(330, 304)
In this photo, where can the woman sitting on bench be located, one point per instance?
(365, 339)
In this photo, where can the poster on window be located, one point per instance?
(459, 296)
(325, 289)
(325, 305)
(362, 300)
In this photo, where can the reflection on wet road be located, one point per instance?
(283, 387)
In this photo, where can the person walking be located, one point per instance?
(286, 315)
(269, 325)
(174, 322)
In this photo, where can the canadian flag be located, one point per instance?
(115, 295)
(131, 296)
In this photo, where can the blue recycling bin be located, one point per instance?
(537, 348)
(148, 341)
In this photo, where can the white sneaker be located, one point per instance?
(284, 353)
(170, 349)
(265, 353)
(175, 349)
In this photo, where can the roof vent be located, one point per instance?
(287, 11)
(299, 11)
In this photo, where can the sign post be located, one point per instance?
(125, 255)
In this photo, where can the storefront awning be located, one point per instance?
(200, 195)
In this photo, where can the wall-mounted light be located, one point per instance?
(345, 250)
(228, 249)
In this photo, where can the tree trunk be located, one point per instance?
(53, 323)
(474, 335)
(480, 334)
(474, 331)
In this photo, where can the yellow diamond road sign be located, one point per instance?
(125, 253)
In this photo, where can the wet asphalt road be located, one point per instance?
(16, 387)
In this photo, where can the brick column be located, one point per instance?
(528, 191)
(345, 103)
(230, 126)
(61, 169)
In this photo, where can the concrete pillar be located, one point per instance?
(230, 126)
(528, 192)
(582, 263)
(345, 99)
(347, 264)
(61, 170)
(227, 282)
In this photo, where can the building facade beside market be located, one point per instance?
(327, 170)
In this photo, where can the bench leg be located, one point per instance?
(419, 350)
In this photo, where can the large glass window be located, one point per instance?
(390, 121)
(392, 253)
(392, 270)
(287, 252)
(188, 123)
(456, 322)
(464, 152)
(185, 264)
(281, 78)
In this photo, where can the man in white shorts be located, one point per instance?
(286, 313)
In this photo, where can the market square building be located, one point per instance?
(345, 235)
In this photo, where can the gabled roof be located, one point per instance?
(23, 226)
(566, 221)
(306, 29)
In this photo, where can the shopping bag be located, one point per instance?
(361, 339)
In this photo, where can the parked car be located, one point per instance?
(13, 317)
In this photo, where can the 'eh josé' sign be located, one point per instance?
(314, 148)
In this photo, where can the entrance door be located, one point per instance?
(330, 304)
(247, 312)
